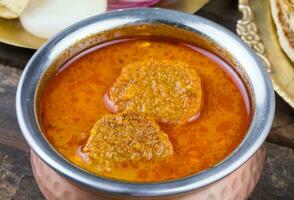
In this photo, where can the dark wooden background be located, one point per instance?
(17, 181)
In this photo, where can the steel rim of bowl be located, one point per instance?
(261, 120)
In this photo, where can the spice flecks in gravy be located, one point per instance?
(73, 101)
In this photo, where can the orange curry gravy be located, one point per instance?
(73, 102)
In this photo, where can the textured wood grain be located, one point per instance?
(14, 56)
(16, 179)
(282, 132)
(277, 181)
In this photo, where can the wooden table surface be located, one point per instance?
(17, 181)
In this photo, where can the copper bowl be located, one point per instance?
(233, 178)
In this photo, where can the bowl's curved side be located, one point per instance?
(237, 185)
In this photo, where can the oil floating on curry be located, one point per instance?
(145, 109)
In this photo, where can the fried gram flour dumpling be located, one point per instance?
(126, 138)
(168, 91)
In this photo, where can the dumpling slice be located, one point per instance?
(168, 91)
(126, 138)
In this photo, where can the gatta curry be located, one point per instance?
(145, 109)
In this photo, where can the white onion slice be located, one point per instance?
(44, 18)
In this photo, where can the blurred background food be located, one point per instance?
(283, 16)
(44, 18)
(10, 9)
(31, 22)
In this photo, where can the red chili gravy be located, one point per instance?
(73, 101)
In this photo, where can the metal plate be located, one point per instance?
(258, 30)
(12, 32)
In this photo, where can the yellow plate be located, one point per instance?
(257, 29)
(11, 31)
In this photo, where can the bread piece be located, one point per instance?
(283, 15)
(10, 9)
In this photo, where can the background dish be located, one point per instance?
(12, 32)
(257, 29)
